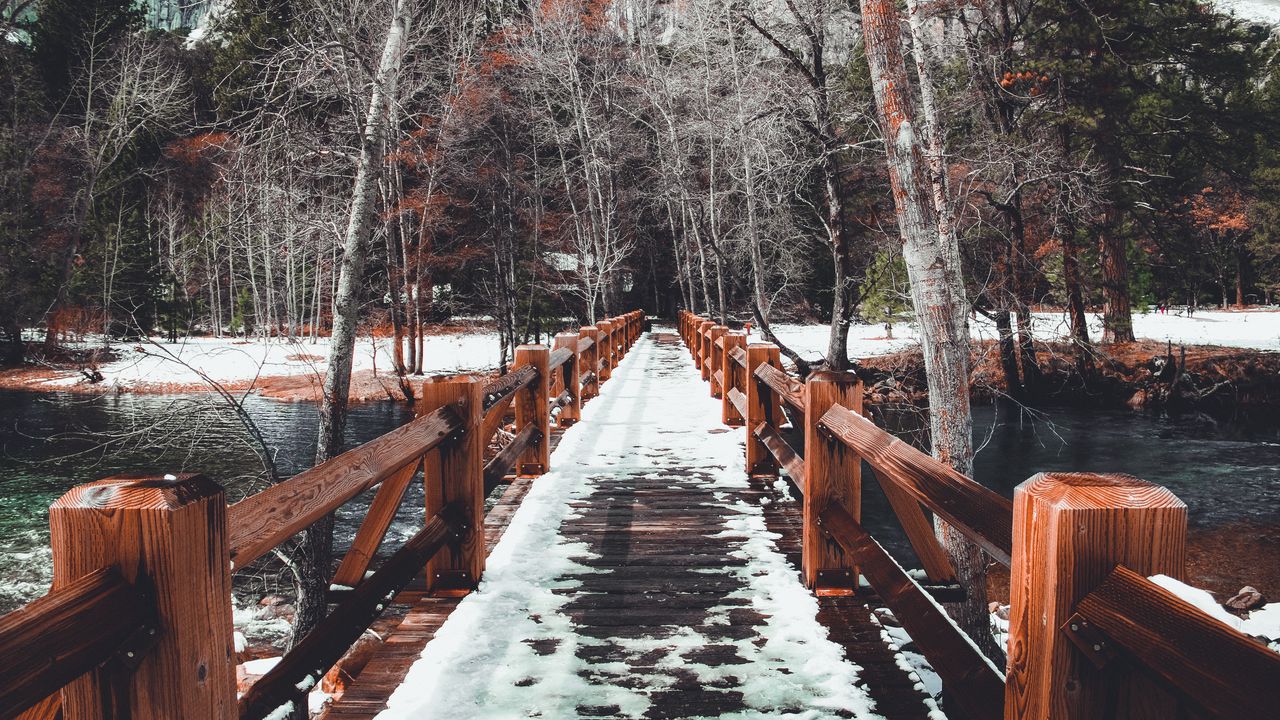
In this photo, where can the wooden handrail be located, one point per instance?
(560, 400)
(788, 459)
(968, 675)
(739, 356)
(303, 666)
(61, 636)
(1225, 671)
(495, 414)
(788, 389)
(509, 384)
(738, 400)
(982, 515)
(588, 378)
(261, 522)
(559, 357)
(498, 467)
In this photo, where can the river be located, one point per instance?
(1228, 474)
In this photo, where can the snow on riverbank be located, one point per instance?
(239, 363)
(1259, 329)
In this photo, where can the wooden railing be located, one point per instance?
(138, 623)
(1090, 635)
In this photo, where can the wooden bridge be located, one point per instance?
(657, 565)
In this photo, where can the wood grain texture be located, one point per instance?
(309, 660)
(735, 381)
(499, 388)
(738, 354)
(1224, 671)
(786, 456)
(454, 475)
(968, 676)
(589, 361)
(167, 537)
(704, 348)
(559, 356)
(788, 389)
(374, 526)
(49, 708)
(533, 408)
(500, 464)
(571, 379)
(982, 515)
(832, 476)
(717, 359)
(65, 634)
(608, 351)
(762, 407)
(261, 522)
(933, 557)
(1070, 531)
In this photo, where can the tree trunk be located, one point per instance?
(1239, 277)
(317, 541)
(1117, 317)
(937, 292)
(1008, 353)
(1075, 296)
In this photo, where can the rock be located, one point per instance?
(1247, 599)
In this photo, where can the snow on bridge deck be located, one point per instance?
(643, 577)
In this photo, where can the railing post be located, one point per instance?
(833, 474)
(591, 360)
(454, 472)
(1069, 532)
(572, 411)
(533, 406)
(604, 341)
(704, 348)
(762, 406)
(716, 358)
(733, 375)
(168, 536)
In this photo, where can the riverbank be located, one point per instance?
(282, 369)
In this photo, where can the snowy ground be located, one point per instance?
(237, 361)
(513, 648)
(1254, 329)
(1267, 11)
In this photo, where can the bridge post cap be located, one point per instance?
(1097, 491)
(831, 376)
(763, 345)
(140, 491)
(453, 380)
(531, 348)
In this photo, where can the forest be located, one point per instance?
(170, 167)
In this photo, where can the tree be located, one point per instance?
(932, 258)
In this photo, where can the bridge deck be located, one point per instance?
(645, 576)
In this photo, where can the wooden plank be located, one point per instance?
(570, 379)
(453, 476)
(309, 660)
(374, 526)
(762, 407)
(788, 459)
(982, 515)
(65, 634)
(738, 400)
(933, 557)
(1070, 532)
(501, 463)
(739, 355)
(559, 357)
(533, 408)
(970, 678)
(49, 708)
(495, 415)
(1225, 671)
(166, 534)
(508, 384)
(832, 476)
(788, 389)
(560, 400)
(261, 522)
(718, 376)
